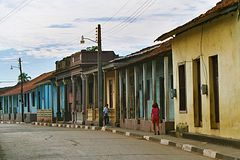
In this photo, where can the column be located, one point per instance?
(83, 97)
(166, 88)
(104, 88)
(79, 109)
(116, 98)
(94, 95)
(8, 104)
(145, 90)
(127, 93)
(120, 95)
(3, 105)
(65, 101)
(58, 101)
(136, 92)
(73, 100)
(153, 81)
(12, 114)
(12, 105)
(87, 91)
(80, 93)
(3, 108)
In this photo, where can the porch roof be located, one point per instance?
(46, 79)
(223, 7)
(146, 53)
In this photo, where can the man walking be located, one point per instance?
(105, 115)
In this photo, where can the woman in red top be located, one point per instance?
(155, 118)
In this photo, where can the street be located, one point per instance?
(35, 142)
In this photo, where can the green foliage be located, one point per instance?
(93, 48)
(25, 77)
(181, 128)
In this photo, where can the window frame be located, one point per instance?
(182, 86)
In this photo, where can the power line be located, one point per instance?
(131, 17)
(107, 21)
(118, 11)
(135, 18)
(15, 10)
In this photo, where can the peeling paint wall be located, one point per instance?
(218, 37)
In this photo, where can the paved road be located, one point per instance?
(35, 142)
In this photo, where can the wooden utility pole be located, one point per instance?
(21, 76)
(100, 83)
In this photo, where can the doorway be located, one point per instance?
(214, 92)
(197, 97)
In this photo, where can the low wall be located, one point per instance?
(44, 115)
(30, 117)
(146, 125)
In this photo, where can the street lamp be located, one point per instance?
(99, 62)
(21, 76)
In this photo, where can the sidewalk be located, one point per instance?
(203, 148)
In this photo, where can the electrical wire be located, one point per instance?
(107, 21)
(201, 56)
(117, 12)
(133, 17)
(19, 7)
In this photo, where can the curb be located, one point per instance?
(185, 147)
(11, 122)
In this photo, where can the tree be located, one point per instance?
(25, 77)
(93, 48)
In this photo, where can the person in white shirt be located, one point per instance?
(105, 115)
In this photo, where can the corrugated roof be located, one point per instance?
(26, 86)
(135, 54)
(150, 52)
(221, 8)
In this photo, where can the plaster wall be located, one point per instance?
(217, 37)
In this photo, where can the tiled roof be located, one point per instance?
(221, 8)
(3, 90)
(47, 78)
(27, 86)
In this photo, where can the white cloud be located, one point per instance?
(28, 31)
(27, 28)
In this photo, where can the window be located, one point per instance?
(28, 102)
(25, 100)
(197, 97)
(39, 100)
(110, 93)
(182, 87)
(162, 97)
(214, 92)
(33, 98)
(148, 90)
(90, 92)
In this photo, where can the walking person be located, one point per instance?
(155, 118)
(105, 115)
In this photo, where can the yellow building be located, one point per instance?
(110, 90)
(206, 62)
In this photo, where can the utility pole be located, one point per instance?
(100, 83)
(100, 77)
(21, 76)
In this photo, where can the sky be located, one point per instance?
(44, 31)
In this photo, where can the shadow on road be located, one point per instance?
(2, 155)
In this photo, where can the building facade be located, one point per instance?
(146, 77)
(32, 100)
(73, 86)
(206, 61)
